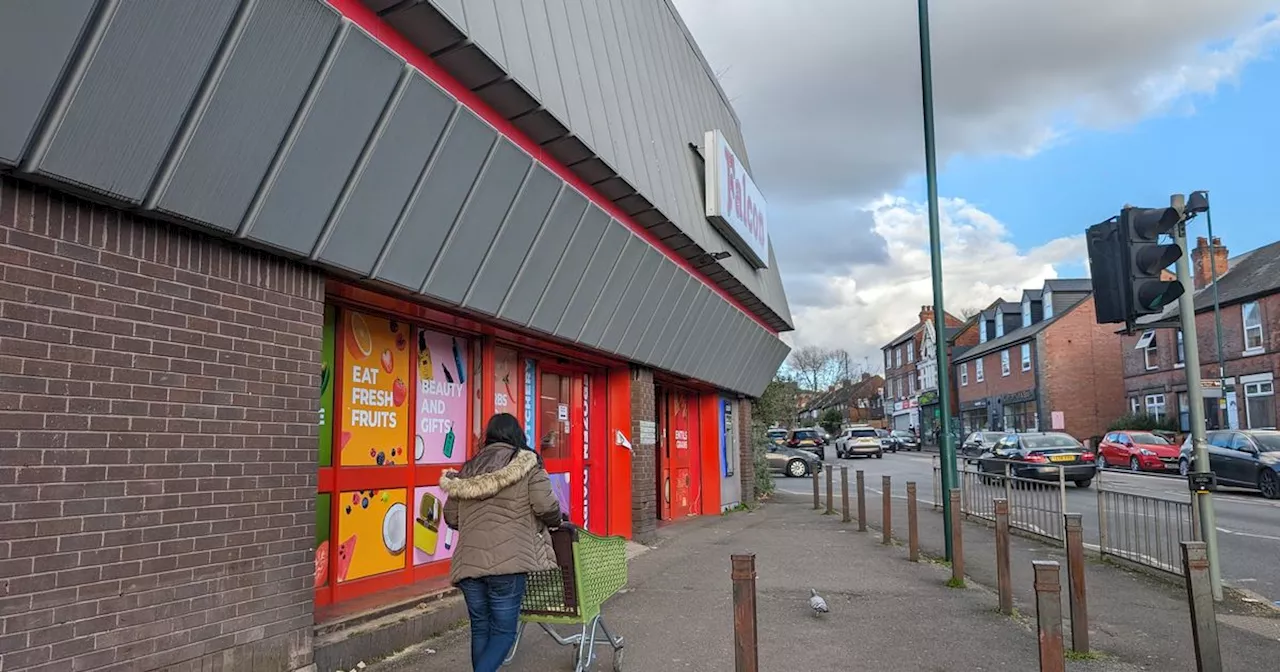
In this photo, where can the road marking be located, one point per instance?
(1248, 534)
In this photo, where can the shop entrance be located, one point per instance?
(679, 477)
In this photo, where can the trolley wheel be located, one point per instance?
(617, 660)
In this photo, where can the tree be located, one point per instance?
(776, 405)
(814, 366)
(831, 420)
(969, 312)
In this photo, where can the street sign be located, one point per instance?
(1202, 481)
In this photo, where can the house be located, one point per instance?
(1042, 364)
(858, 401)
(910, 370)
(1241, 393)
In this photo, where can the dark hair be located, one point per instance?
(504, 428)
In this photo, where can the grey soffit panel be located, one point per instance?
(544, 257)
(672, 343)
(322, 155)
(248, 113)
(568, 274)
(706, 367)
(40, 36)
(706, 335)
(385, 183)
(490, 201)
(751, 357)
(653, 276)
(623, 274)
(443, 189)
(695, 335)
(652, 318)
(591, 289)
(135, 92)
(514, 238)
(725, 361)
(655, 344)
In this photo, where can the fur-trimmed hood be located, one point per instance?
(485, 475)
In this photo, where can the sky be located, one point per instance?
(1050, 115)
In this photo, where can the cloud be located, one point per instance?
(864, 308)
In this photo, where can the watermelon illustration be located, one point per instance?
(322, 563)
(345, 551)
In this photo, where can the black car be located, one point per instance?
(978, 443)
(1039, 456)
(902, 439)
(808, 439)
(1245, 458)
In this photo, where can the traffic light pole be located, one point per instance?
(947, 448)
(1191, 346)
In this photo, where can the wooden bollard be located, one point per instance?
(1004, 576)
(746, 655)
(913, 527)
(862, 501)
(844, 494)
(1075, 583)
(1048, 586)
(886, 495)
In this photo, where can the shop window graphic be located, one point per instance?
(442, 398)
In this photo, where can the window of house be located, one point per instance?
(1260, 404)
(911, 351)
(982, 330)
(999, 324)
(1184, 411)
(1026, 356)
(911, 385)
(1046, 299)
(1026, 313)
(977, 366)
(1134, 406)
(897, 357)
(1252, 327)
(1150, 355)
(888, 360)
(964, 374)
(1004, 362)
(1182, 351)
(1155, 406)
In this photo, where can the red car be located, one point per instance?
(1138, 451)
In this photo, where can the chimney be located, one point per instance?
(926, 314)
(1202, 272)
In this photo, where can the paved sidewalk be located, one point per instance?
(1134, 617)
(886, 614)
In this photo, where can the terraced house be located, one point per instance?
(268, 267)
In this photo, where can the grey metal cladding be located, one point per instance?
(694, 335)
(634, 314)
(725, 362)
(751, 359)
(607, 303)
(568, 274)
(516, 45)
(627, 78)
(453, 170)
(600, 131)
(322, 156)
(652, 318)
(483, 29)
(663, 339)
(543, 258)
(594, 13)
(731, 373)
(709, 365)
(544, 59)
(579, 119)
(452, 10)
(387, 179)
(591, 288)
(491, 199)
(248, 112)
(40, 36)
(511, 245)
(672, 343)
(704, 337)
(136, 90)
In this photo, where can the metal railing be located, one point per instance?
(1145, 530)
(1035, 505)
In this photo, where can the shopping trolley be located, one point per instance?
(589, 570)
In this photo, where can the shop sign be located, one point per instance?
(1016, 397)
(530, 415)
(648, 433)
(375, 387)
(928, 398)
(442, 397)
(734, 205)
(1059, 420)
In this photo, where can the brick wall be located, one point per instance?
(994, 384)
(644, 459)
(157, 444)
(747, 452)
(1081, 369)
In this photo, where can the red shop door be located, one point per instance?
(560, 435)
(678, 465)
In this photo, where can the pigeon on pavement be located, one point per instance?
(816, 603)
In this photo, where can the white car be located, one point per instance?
(863, 441)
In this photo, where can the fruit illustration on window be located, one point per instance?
(426, 526)
(360, 345)
(399, 392)
(345, 551)
(448, 442)
(322, 564)
(425, 369)
(388, 363)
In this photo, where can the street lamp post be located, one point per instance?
(1217, 309)
(947, 447)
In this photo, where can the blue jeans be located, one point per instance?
(493, 604)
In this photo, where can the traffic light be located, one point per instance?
(1146, 258)
(1107, 271)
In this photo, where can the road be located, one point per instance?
(1248, 525)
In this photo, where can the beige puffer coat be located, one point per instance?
(501, 504)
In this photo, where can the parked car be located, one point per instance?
(1039, 456)
(809, 439)
(1248, 458)
(904, 440)
(978, 443)
(861, 441)
(777, 435)
(792, 462)
(1139, 451)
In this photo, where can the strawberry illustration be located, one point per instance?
(322, 563)
(345, 550)
(387, 362)
(399, 392)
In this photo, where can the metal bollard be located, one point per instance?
(746, 655)
(886, 518)
(844, 494)
(1004, 577)
(1204, 622)
(957, 538)
(1049, 616)
(817, 495)
(913, 527)
(1075, 583)
(862, 501)
(831, 503)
